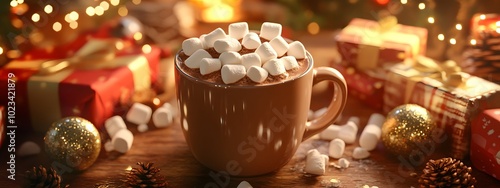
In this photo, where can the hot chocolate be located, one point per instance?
(281, 63)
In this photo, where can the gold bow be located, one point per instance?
(95, 54)
(448, 72)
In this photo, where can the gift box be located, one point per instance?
(453, 100)
(367, 44)
(367, 86)
(483, 23)
(88, 81)
(485, 149)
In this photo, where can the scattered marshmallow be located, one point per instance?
(189, 46)
(344, 163)
(279, 45)
(372, 132)
(122, 141)
(108, 146)
(162, 117)
(244, 184)
(211, 37)
(28, 148)
(194, 60)
(209, 65)
(250, 59)
(349, 131)
(232, 73)
(336, 148)
(251, 41)
(290, 62)
(297, 50)
(227, 44)
(360, 153)
(202, 39)
(274, 67)
(257, 74)
(330, 133)
(270, 30)
(171, 108)
(315, 162)
(142, 128)
(230, 58)
(139, 114)
(238, 30)
(114, 124)
(320, 112)
(266, 52)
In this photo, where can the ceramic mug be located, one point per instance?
(248, 130)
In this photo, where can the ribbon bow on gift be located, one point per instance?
(95, 54)
(448, 72)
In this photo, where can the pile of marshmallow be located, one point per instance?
(275, 57)
(339, 136)
(139, 114)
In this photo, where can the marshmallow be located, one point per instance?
(274, 67)
(315, 162)
(114, 124)
(142, 128)
(290, 62)
(251, 41)
(257, 74)
(230, 58)
(349, 131)
(266, 52)
(319, 112)
(344, 163)
(171, 108)
(360, 153)
(238, 30)
(209, 65)
(28, 148)
(279, 45)
(330, 133)
(194, 60)
(227, 45)
(202, 39)
(162, 117)
(250, 59)
(122, 142)
(211, 37)
(232, 73)
(139, 114)
(336, 148)
(244, 184)
(190, 45)
(108, 146)
(297, 50)
(270, 30)
(372, 132)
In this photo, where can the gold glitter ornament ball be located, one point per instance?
(406, 127)
(74, 142)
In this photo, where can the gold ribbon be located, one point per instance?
(96, 54)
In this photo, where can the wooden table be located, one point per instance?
(168, 150)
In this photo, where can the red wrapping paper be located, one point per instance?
(91, 94)
(362, 46)
(485, 145)
(453, 108)
(481, 23)
(368, 88)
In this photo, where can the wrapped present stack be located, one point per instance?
(369, 47)
(484, 149)
(89, 78)
(482, 58)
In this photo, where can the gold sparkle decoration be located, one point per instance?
(73, 141)
(407, 127)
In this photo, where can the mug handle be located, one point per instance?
(335, 107)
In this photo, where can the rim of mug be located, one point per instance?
(179, 69)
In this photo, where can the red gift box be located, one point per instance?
(484, 23)
(90, 93)
(366, 86)
(364, 45)
(485, 148)
(453, 107)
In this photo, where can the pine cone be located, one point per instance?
(446, 172)
(482, 59)
(43, 178)
(145, 176)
